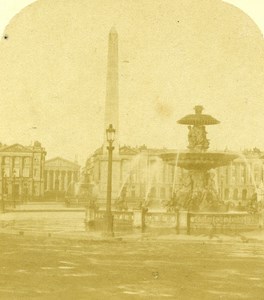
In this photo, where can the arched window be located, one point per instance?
(235, 194)
(226, 194)
(162, 192)
(244, 194)
(152, 193)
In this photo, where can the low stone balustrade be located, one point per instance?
(181, 220)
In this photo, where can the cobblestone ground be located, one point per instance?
(46, 268)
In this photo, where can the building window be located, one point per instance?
(7, 172)
(162, 193)
(16, 172)
(142, 190)
(171, 191)
(244, 194)
(36, 159)
(35, 172)
(26, 172)
(235, 194)
(26, 161)
(226, 194)
(153, 192)
(133, 191)
(233, 168)
(133, 177)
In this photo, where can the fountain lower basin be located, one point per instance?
(198, 160)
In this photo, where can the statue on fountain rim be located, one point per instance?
(182, 196)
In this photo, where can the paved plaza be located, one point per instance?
(49, 255)
(46, 268)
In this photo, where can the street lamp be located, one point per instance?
(3, 189)
(13, 188)
(110, 135)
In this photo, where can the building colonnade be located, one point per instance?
(60, 180)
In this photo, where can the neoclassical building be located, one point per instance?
(138, 174)
(60, 176)
(22, 172)
(241, 179)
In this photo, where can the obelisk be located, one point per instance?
(112, 92)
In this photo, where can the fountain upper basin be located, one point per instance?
(198, 160)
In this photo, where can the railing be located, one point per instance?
(121, 218)
(180, 220)
(241, 220)
(160, 219)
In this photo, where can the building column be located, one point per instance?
(65, 181)
(21, 176)
(48, 180)
(248, 173)
(70, 181)
(70, 176)
(11, 176)
(59, 178)
(1, 175)
(54, 180)
(62, 180)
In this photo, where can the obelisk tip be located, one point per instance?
(113, 30)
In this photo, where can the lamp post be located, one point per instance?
(3, 189)
(13, 188)
(110, 135)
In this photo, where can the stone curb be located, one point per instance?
(85, 237)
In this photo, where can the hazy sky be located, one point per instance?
(173, 55)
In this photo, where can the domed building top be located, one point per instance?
(198, 118)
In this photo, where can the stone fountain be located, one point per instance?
(197, 190)
(196, 203)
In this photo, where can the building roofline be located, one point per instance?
(63, 159)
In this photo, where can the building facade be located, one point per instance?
(61, 175)
(22, 172)
(240, 180)
(138, 174)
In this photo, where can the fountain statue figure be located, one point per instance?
(197, 138)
